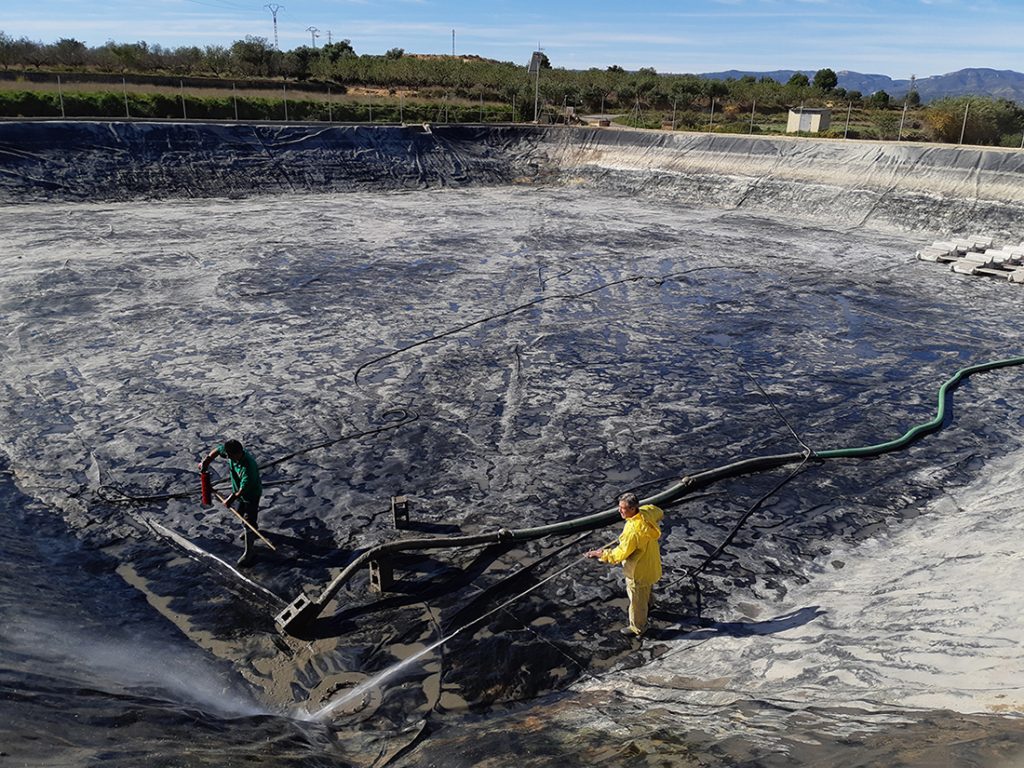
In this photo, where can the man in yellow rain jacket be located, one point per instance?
(639, 553)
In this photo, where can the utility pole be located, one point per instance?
(60, 94)
(274, 8)
(453, 42)
(534, 69)
(313, 34)
(906, 102)
(328, 37)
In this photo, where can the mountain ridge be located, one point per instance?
(972, 81)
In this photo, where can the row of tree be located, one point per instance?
(255, 57)
(251, 57)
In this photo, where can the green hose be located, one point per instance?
(929, 426)
(760, 463)
(303, 610)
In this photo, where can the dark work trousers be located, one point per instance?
(250, 510)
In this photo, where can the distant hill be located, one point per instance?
(999, 83)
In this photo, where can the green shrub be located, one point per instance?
(94, 105)
(29, 104)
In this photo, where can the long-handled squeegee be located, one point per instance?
(205, 493)
(248, 525)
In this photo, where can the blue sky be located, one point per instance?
(892, 37)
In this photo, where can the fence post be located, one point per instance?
(234, 98)
(401, 108)
(963, 127)
(849, 110)
(184, 110)
(753, 106)
(513, 109)
(330, 106)
(370, 105)
(124, 87)
(60, 95)
(285, 89)
(711, 122)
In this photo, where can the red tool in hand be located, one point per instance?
(205, 489)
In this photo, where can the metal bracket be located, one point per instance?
(400, 510)
(382, 576)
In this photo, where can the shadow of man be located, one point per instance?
(708, 628)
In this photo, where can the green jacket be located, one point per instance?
(245, 475)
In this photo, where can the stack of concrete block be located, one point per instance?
(974, 255)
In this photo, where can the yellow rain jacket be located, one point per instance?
(638, 547)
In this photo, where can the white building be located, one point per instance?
(808, 120)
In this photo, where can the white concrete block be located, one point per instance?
(1017, 276)
(932, 254)
(1002, 274)
(965, 266)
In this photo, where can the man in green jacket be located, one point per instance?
(245, 489)
(639, 553)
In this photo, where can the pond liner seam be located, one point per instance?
(303, 611)
(657, 280)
